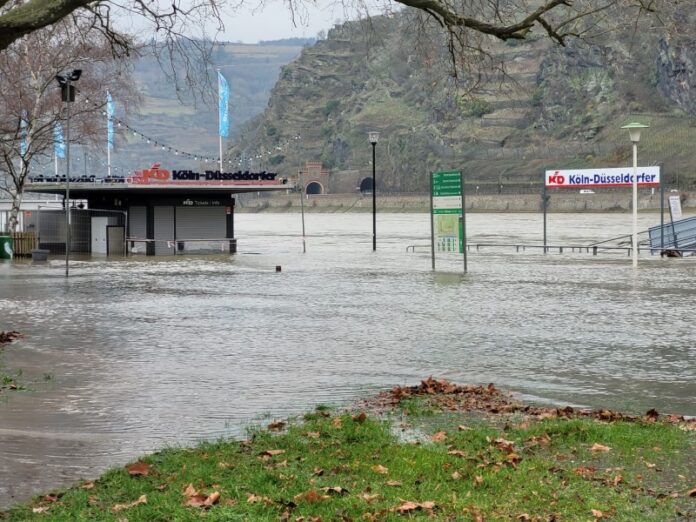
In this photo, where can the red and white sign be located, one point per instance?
(622, 177)
(157, 175)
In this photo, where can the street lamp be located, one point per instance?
(634, 131)
(373, 136)
(67, 94)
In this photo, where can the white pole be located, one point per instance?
(635, 205)
(55, 163)
(220, 153)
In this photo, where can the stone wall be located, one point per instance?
(558, 202)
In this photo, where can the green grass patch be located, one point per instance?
(356, 467)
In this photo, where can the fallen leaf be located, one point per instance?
(190, 491)
(456, 475)
(276, 425)
(313, 434)
(523, 516)
(597, 513)
(439, 436)
(272, 453)
(255, 499)
(142, 499)
(507, 446)
(691, 493)
(393, 483)
(360, 418)
(87, 485)
(50, 498)
(378, 468)
(41, 509)
(599, 448)
(337, 422)
(138, 469)
(461, 427)
(478, 480)
(458, 453)
(408, 507)
(225, 465)
(369, 498)
(336, 490)
(311, 497)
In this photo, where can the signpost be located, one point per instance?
(447, 215)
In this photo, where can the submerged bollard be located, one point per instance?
(278, 268)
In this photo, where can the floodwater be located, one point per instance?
(128, 356)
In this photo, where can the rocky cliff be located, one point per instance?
(534, 105)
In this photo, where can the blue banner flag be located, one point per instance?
(224, 98)
(109, 121)
(58, 142)
(23, 133)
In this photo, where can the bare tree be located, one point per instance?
(504, 19)
(30, 101)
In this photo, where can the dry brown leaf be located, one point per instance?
(691, 493)
(523, 516)
(276, 425)
(458, 453)
(196, 501)
(507, 446)
(597, 513)
(439, 436)
(461, 427)
(337, 422)
(408, 506)
(142, 499)
(378, 468)
(272, 453)
(138, 469)
(599, 448)
(225, 465)
(40, 509)
(190, 491)
(456, 475)
(336, 490)
(478, 480)
(313, 434)
(369, 498)
(393, 483)
(311, 497)
(360, 417)
(87, 485)
(255, 499)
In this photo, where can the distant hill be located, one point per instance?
(553, 107)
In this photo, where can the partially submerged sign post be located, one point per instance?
(590, 178)
(447, 215)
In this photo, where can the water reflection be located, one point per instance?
(145, 353)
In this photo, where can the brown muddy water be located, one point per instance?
(128, 356)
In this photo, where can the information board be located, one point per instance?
(447, 223)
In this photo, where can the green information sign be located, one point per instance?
(447, 219)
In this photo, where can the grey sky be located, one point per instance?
(275, 21)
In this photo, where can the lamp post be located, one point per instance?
(373, 136)
(634, 132)
(67, 93)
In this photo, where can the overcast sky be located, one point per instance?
(275, 21)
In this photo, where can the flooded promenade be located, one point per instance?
(128, 356)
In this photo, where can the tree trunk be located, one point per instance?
(14, 211)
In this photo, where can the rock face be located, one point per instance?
(531, 106)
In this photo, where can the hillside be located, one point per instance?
(551, 107)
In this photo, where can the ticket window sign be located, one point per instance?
(448, 225)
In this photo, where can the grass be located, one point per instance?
(416, 460)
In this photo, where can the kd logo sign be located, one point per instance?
(556, 179)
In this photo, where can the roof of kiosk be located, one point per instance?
(159, 181)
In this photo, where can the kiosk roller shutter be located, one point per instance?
(200, 222)
(137, 227)
(164, 230)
